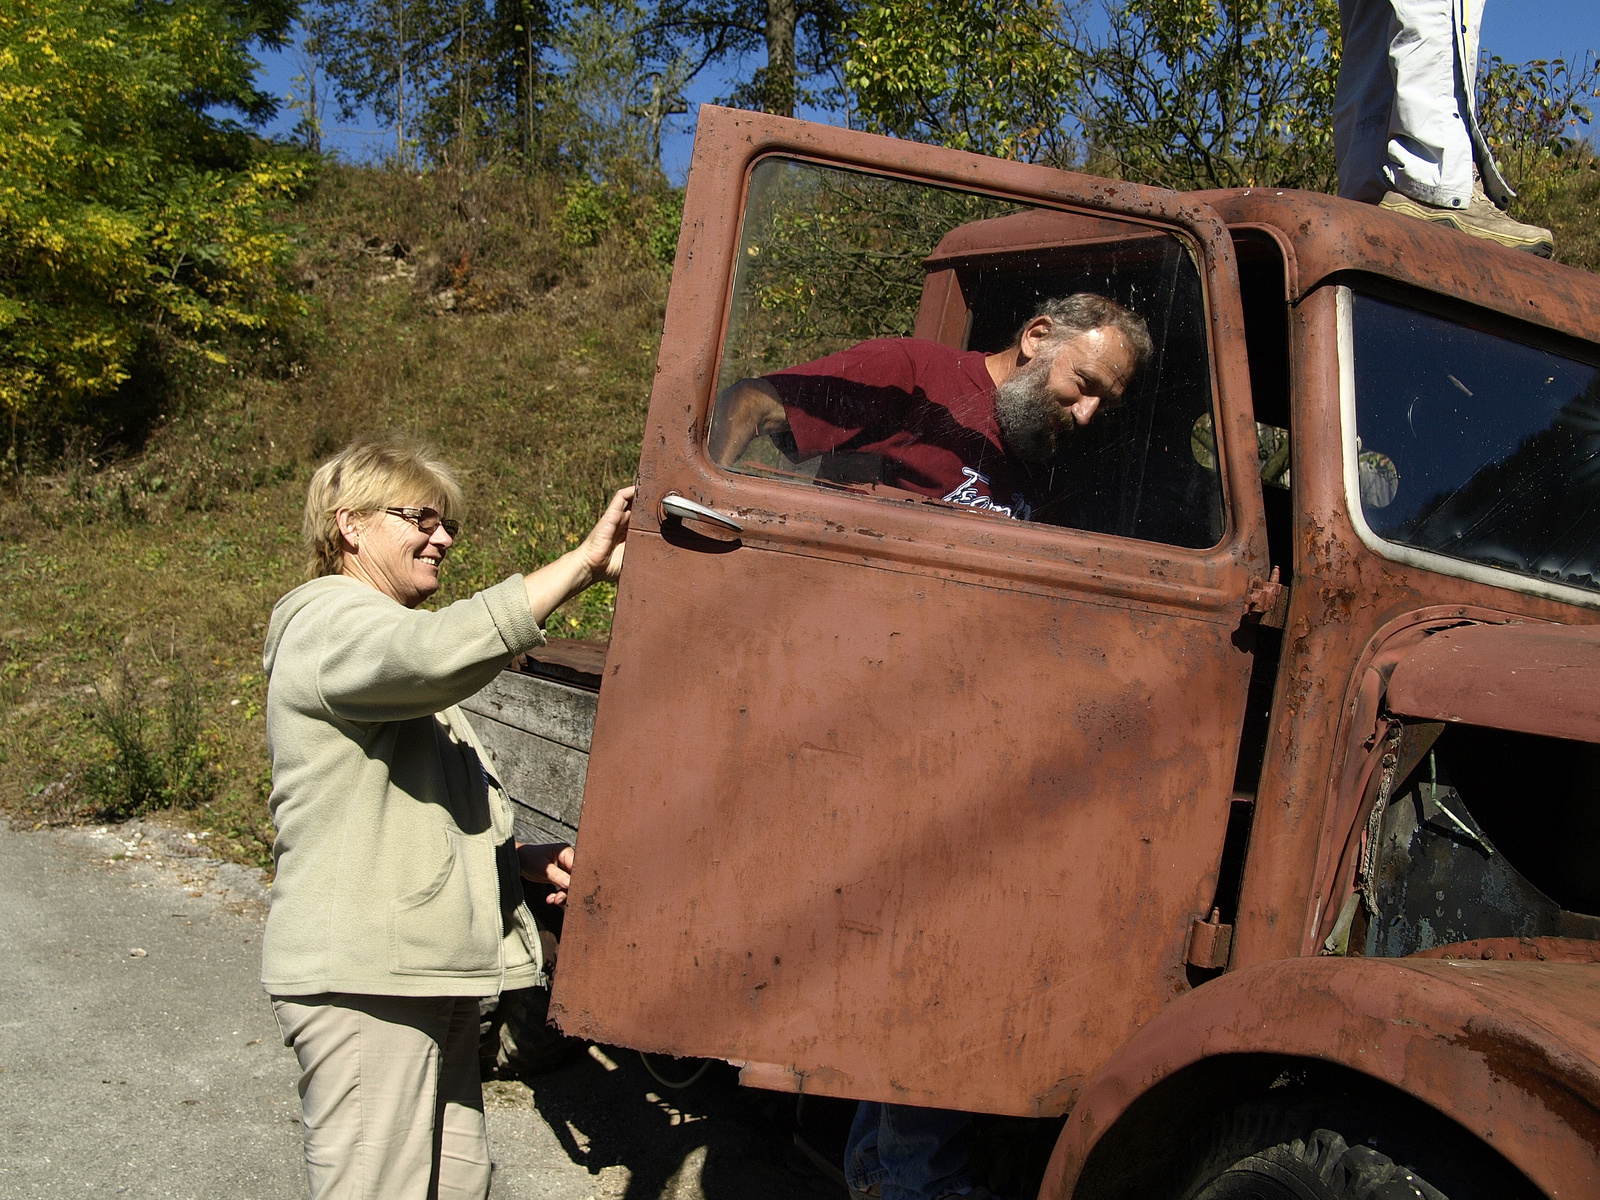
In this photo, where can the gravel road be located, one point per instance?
(139, 1057)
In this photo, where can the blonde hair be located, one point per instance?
(368, 475)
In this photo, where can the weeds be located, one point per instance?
(144, 775)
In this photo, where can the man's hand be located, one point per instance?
(550, 864)
(745, 411)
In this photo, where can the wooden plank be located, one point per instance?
(542, 707)
(544, 775)
(533, 826)
(570, 660)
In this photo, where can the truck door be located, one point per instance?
(893, 793)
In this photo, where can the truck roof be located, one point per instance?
(1322, 236)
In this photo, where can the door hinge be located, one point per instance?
(1209, 942)
(1267, 599)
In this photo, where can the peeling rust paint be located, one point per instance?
(901, 757)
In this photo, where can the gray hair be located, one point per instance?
(1083, 311)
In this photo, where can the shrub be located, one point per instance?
(133, 223)
(143, 775)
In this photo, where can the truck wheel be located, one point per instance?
(1319, 1167)
(515, 1040)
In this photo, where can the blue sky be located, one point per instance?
(1516, 30)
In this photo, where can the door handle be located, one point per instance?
(674, 505)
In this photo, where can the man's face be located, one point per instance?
(1061, 387)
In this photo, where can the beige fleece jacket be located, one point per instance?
(396, 873)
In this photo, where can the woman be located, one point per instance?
(398, 902)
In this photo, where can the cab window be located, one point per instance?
(1475, 446)
(868, 319)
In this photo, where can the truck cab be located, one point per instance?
(1249, 789)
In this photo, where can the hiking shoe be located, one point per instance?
(1480, 218)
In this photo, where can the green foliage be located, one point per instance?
(831, 257)
(590, 209)
(145, 774)
(463, 83)
(533, 383)
(648, 217)
(661, 236)
(994, 76)
(1533, 115)
(1567, 202)
(589, 108)
(127, 214)
(1201, 93)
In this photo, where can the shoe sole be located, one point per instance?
(1541, 247)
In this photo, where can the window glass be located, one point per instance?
(873, 344)
(1476, 446)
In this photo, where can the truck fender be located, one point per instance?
(1508, 1051)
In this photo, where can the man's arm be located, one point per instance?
(745, 411)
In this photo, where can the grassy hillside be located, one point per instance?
(511, 324)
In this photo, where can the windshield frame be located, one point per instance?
(1413, 556)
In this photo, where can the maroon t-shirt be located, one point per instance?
(910, 413)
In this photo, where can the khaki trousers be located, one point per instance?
(389, 1089)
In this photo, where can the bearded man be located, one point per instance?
(959, 426)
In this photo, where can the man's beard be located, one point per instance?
(1031, 424)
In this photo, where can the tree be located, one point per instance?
(803, 41)
(1214, 93)
(377, 54)
(992, 76)
(1532, 114)
(590, 107)
(525, 31)
(130, 216)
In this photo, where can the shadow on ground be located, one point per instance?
(642, 1141)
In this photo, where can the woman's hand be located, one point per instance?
(550, 864)
(597, 557)
(602, 550)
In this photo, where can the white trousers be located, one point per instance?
(390, 1095)
(1403, 116)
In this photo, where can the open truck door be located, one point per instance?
(889, 796)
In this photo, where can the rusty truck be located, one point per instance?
(1241, 808)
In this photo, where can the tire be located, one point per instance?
(1320, 1167)
(515, 1039)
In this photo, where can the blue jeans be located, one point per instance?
(910, 1153)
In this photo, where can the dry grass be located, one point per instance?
(460, 311)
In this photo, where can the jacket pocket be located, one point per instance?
(440, 929)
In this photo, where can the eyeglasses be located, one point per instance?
(426, 519)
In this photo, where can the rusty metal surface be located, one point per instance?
(1329, 235)
(889, 801)
(1346, 605)
(895, 806)
(1509, 1050)
(857, 845)
(1535, 949)
(1533, 678)
(1031, 239)
(1209, 942)
(1032, 233)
